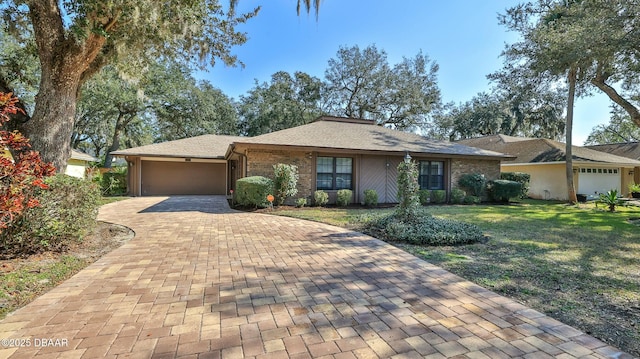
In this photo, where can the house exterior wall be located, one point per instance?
(548, 181)
(377, 172)
(259, 162)
(76, 168)
(489, 168)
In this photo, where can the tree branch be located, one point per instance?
(600, 82)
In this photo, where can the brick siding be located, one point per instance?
(260, 163)
(459, 167)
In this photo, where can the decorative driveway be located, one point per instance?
(202, 281)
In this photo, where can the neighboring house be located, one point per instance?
(625, 149)
(78, 164)
(330, 153)
(545, 160)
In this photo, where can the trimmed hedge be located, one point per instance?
(424, 229)
(370, 197)
(253, 191)
(457, 196)
(424, 195)
(503, 190)
(473, 183)
(67, 213)
(343, 197)
(285, 182)
(320, 198)
(438, 196)
(523, 178)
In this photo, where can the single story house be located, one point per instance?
(624, 149)
(594, 172)
(78, 163)
(330, 153)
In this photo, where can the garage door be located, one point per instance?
(161, 178)
(598, 180)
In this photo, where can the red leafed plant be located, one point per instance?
(21, 169)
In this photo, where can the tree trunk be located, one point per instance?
(63, 62)
(51, 125)
(572, 77)
(121, 123)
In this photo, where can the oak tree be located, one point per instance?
(75, 39)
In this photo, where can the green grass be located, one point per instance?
(579, 264)
(110, 199)
(27, 282)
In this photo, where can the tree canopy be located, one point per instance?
(166, 103)
(75, 39)
(362, 84)
(286, 101)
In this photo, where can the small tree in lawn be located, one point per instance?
(408, 190)
(285, 181)
(21, 170)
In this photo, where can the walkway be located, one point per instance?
(203, 281)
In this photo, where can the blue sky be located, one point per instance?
(462, 36)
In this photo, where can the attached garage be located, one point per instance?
(161, 178)
(597, 180)
(190, 166)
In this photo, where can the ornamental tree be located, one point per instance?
(21, 169)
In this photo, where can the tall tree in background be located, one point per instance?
(362, 84)
(619, 129)
(108, 109)
(197, 109)
(75, 39)
(286, 101)
(164, 104)
(554, 47)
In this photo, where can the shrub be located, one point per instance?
(503, 190)
(320, 198)
(408, 188)
(301, 202)
(423, 229)
(424, 195)
(114, 182)
(343, 197)
(523, 178)
(285, 181)
(370, 197)
(473, 182)
(438, 196)
(457, 196)
(67, 212)
(253, 191)
(21, 173)
(472, 200)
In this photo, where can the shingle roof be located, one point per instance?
(205, 146)
(356, 134)
(81, 156)
(626, 149)
(539, 150)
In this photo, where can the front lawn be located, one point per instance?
(578, 264)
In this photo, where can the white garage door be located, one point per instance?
(598, 180)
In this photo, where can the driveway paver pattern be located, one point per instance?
(200, 280)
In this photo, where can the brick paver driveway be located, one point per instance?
(202, 281)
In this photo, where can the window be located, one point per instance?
(431, 175)
(334, 173)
